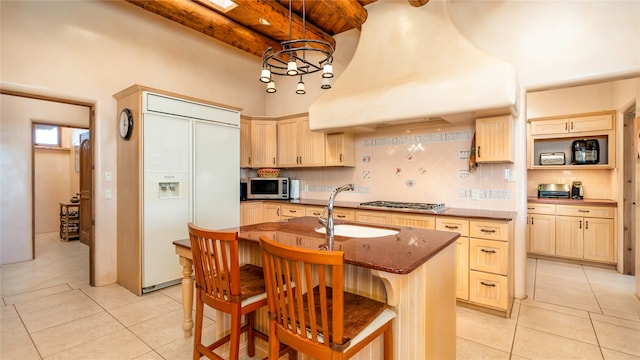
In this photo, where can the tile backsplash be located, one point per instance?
(423, 164)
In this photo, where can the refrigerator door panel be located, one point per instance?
(166, 144)
(217, 175)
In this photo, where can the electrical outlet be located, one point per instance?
(475, 194)
(107, 194)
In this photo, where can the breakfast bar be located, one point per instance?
(412, 270)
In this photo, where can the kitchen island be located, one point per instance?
(413, 271)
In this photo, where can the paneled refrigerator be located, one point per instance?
(189, 171)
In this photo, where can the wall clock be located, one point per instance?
(125, 124)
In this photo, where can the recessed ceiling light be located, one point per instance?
(263, 21)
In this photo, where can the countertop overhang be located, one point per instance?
(399, 254)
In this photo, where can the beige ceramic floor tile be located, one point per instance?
(470, 350)
(623, 315)
(534, 344)
(553, 322)
(18, 348)
(491, 330)
(111, 296)
(557, 308)
(10, 324)
(36, 294)
(163, 329)
(617, 337)
(151, 355)
(56, 309)
(149, 307)
(616, 355)
(616, 321)
(121, 344)
(62, 337)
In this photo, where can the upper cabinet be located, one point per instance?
(263, 143)
(298, 146)
(554, 136)
(340, 150)
(494, 139)
(245, 143)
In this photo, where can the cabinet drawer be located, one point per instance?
(488, 289)
(453, 224)
(549, 209)
(585, 211)
(492, 230)
(292, 210)
(488, 255)
(344, 214)
(374, 217)
(314, 211)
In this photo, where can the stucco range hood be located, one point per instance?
(412, 64)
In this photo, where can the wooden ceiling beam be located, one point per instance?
(418, 3)
(351, 11)
(210, 23)
(278, 16)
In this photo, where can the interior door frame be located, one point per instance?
(630, 153)
(92, 139)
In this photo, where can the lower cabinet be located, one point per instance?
(373, 217)
(250, 213)
(572, 231)
(461, 226)
(288, 211)
(416, 221)
(270, 212)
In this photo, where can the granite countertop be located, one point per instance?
(457, 212)
(582, 202)
(400, 254)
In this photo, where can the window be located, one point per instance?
(46, 135)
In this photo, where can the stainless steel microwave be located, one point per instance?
(268, 188)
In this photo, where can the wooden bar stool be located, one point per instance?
(324, 322)
(224, 285)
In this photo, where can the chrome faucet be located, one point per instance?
(327, 221)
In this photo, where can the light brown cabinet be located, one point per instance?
(245, 143)
(343, 214)
(572, 231)
(462, 252)
(373, 217)
(411, 220)
(263, 143)
(270, 212)
(298, 146)
(556, 135)
(541, 226)
(340, 150)
(494, 137)
(250, 213)
(288, 211)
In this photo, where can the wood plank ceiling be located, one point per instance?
(241, 25)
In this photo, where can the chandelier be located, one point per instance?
(298, 57)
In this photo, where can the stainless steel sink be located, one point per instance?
(358, 231)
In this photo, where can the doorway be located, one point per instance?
(630, 142)
(28, 108)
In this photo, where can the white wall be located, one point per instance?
(88, 51)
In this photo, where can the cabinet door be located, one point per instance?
(291, 210)
(542, 234)
(340, 150)
(245, 143)
(591, 123)
(453, 224)
(598, 239)
(311, 148)
(250, 213)
(544, 127)
(494, 139)
(270, 212)
(288, 136)
(462, 268)
(416, 221)
(374, 217)
(487, 229)
(263, 143)
(569, 236)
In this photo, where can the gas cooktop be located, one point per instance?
(425, 207)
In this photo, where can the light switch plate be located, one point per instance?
(107, 194)
(108, 176)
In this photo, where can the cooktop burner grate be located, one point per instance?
(426, 207)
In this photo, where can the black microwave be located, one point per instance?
(268, 188)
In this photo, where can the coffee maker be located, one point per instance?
(577, 192)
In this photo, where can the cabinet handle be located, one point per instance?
(586, 224)
(316, 213)
(583, 211)
(487, 284)
(488, 251)
(580, 224)
(274, 160)
(531, 208)
(249, 160)
(451, 227)
(565, 127)
(490, 231)
(340, 158)
(341, 216)
(278, 212)
(572, 125)
(478, 151)
(532, 220)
